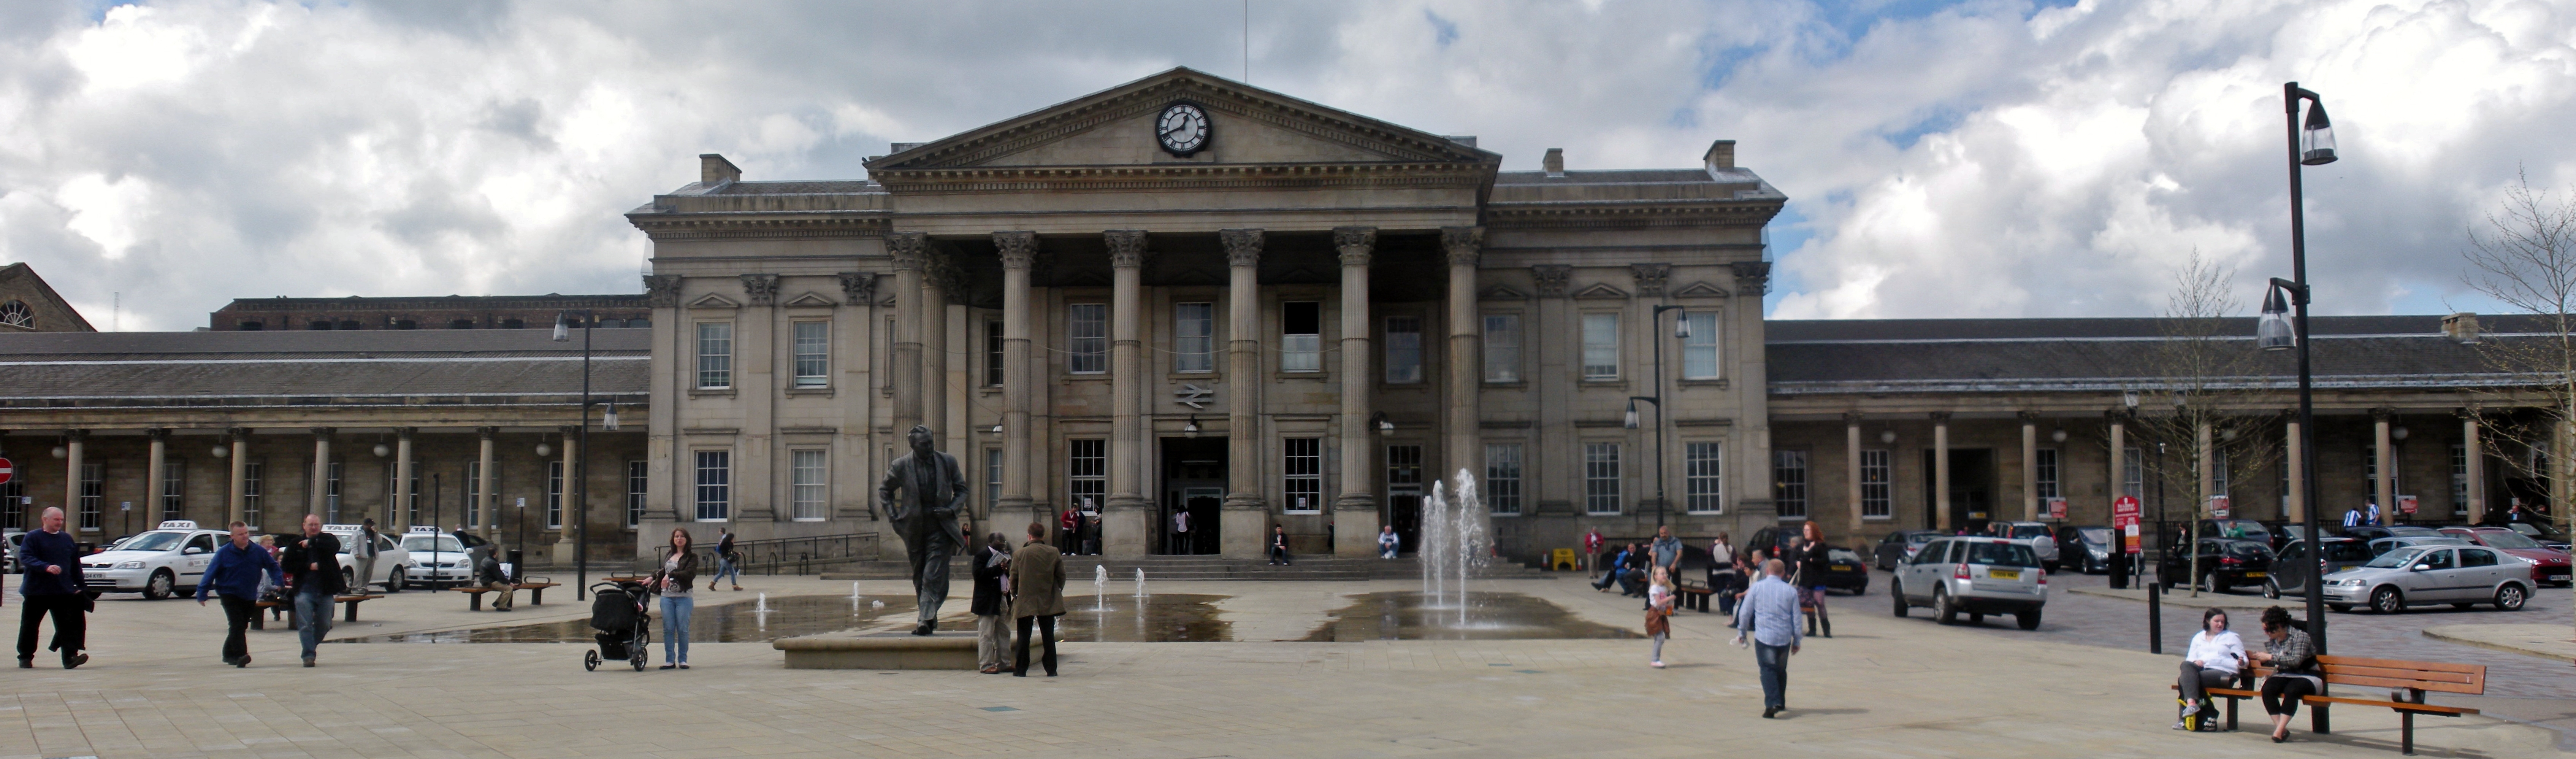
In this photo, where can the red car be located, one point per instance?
(2549, 565)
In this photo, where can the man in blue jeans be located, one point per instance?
(315, 560)
(1769, 613)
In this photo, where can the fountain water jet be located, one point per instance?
(1454, 543)
(1100, 587)
(1140, 582)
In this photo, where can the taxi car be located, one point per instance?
(391, 559)
(156, 564)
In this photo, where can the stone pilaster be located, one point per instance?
(907, 248)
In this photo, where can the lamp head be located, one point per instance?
(1192, 428)
(1887, 436)
(1681, 325)
(2316, 137)
(2059, 435)
(544, 450)
(1632, 415)
(563, 330)
(2273, 330)
(609, 421)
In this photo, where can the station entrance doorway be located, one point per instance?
(1193, 484)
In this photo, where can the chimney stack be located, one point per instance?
(713, 169)
(2461, 328)
(1554, 162)
(1721, 155)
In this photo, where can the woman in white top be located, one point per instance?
(1659, 612)
(2212, 661)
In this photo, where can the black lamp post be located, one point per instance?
(1681, 330)
(2311, 144)
(581, 460)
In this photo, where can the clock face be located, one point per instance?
(1183, 129)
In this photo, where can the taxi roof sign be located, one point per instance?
(423, 529)
(178, 524)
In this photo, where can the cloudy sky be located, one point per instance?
(1944, 159)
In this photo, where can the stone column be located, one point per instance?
(402, 497)
(1355, 518)
(563, 548)
(2473, 458)
(2383, 485)
(1019, 252)
(73, 442)
(317, 493)
(155, 469)
(1851, 469)
(1124, 526)
(1465, 245)
(906, 247)
(2296, 503)
(2119, 460)
(934, 351)
(2030, 466)
(1244, 520)
(239, 439)
(487, 499)
(1941, 470)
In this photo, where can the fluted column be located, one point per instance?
(73, 442)
(2030, 466)
(239, 440)
(1123, 527)
(317, 500)
(906, 247)
(935, 283)
(1464, 245)
(1243, 522)
(487, 499)
(1355, 516)
(1019, 253)
(2208, 475)
(2119, 457)
(1851, 469)
(155, 470)
(2473, 457)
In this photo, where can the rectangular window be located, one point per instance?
(1301, 340)
(174, 488)
(2133, 473)
(1403, 350)
(2044, 464)
(466, 487)
(1087, 338)
(715, 485)
(1703, 479)
(1600, 346)
(1601, 478)
(1502, 347)
(393, 490)
(554, 494)
(1303, 464)
(992, 354)
(715, 355)
(1404, 466)
(813, 343)
(13, 505)
(331, 487)
(2218, 471)
(1699, 350)
(2459, 479)
(93, 482)
(810, 484)
(1877, 491)
(1502, 485)
(254, 486)
(2370, 476)
(639, 480)
(1194, 337)
(1788, 482)
(992, 478)
(1087, 474)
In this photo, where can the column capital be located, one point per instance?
(2027, 417)
(1851, 418)
(1551, 279)
(488, 433)
(856, 286)
(907, 249)
(1019, 249)
(157, 433)
(1126, 247)
(2382, 414)
(404, 433)
(1752, 277)
(324, 432)
(237, 432)
(1465, 245)
(568, 431)
(1242, 246)
(760, 289)
(662, 290)
(76, 434)
(1356, 244)
(1940, 417)
(1650, 278)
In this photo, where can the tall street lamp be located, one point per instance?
(2311, 144)
(1681, 330)
(581, 460)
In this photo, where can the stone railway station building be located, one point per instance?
(1185, 294)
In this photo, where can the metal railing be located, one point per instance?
(805, 555)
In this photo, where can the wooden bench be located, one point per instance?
(348, 604)
(536, 593)
(2412, 677)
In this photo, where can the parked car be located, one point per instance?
(2042, 540)
(2540, 533)
(2549, 565)
(2088, 548)
(439, 559)
(156, 564)
(2291, 566)
(1899, 546)
(2462, 576)
(2236, 529)
(2223, 563)
(2383, 545)
(1976, 576)
(392, 560)
(9, 562)
(2370, 532)
(1846, 572)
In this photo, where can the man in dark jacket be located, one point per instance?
(315, 561)
(992, 607)
(488, 574)
(53, 586)
(235, 573)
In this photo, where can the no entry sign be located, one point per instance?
(7, 470)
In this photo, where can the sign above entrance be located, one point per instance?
(1189, 395)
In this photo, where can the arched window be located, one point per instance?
(15, 314)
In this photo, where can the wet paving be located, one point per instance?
(1406, 615)
(1160, 618)
(740, 622)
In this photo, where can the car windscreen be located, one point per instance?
(2347, 551)
(154, 541)
(1842, 554)
(420, 544)
(2527, 530)
(2397, 558)
(1921, 537)
(2002, 554)
(2029, 531)
(2508, 539)
(2242, 528)
(2404, 531)
(2097, 534)
(2244, 548)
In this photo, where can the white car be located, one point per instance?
(156, 564)
(391, 559)
(439, 558)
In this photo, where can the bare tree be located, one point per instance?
(2527, 260)
(2208, 406)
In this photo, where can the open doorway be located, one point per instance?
(1972, 489)
(1193, 484)
(1404, 493)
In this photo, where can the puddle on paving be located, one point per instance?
(1162, 618)
(1490, 616)
(738, 622)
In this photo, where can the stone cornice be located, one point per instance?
(732, 227)
(1659, 213)
(1184, 176)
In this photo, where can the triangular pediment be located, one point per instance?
(1503, 292)
(713, 300)
(1601, 291)
(1701, 290)
(1116, 127)
(811, 300)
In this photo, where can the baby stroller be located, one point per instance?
(618, 613)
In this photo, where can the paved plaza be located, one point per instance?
(1882, 687)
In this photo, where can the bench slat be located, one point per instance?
(2413, 674)
(2387, 704)
(2431, 666)
(2472, 689)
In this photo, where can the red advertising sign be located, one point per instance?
(2405, 504)
(2218, 506)
(2124, 518)
(2057, 508)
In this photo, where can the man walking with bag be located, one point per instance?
(235, 574)
(1037, 587)
(315, 560)
(1769, 612)
(51, 561)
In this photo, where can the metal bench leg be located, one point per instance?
(2318, 722)
(537, 597)
(350, 613)
(2231, 713)
(2406, 733)
(473, 602)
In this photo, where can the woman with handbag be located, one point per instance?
(1722, 573)
(679, 572)
(1659, 612)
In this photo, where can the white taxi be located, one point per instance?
(441, 559)
(157, 563)
(391, 560)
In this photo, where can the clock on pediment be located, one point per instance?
(1182, 129)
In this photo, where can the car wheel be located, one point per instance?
(2029, 620)
(2209, 583)
(1896, 593)
(2271, 590)
(161, 586)
(2386, 600)
(1942, 609)
(349, 579)
(2510, 597)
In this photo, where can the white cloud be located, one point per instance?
(2042, 160)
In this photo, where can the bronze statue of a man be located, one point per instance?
(926, 516)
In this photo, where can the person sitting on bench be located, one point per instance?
(2293, 660)
(2211, 662)
(488, 573)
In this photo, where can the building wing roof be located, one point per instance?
(1971, 355)
(399, 367)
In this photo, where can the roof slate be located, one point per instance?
(1964, 355)
(497, 366)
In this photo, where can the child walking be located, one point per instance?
(1659, 612)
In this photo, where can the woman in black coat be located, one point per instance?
(992, 606)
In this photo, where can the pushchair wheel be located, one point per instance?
(637, 658)
(590, 661)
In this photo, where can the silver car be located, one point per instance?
(1976, 576)
(2042, 540)
(2461, 576)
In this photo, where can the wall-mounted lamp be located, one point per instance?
(609, 421)
(543, 450)
(1384, 428)
(1886, 436)
(62, 452)
(1192, 428)
(220, 451)
(2059, 435)
(381, 451)
(2398, 433)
